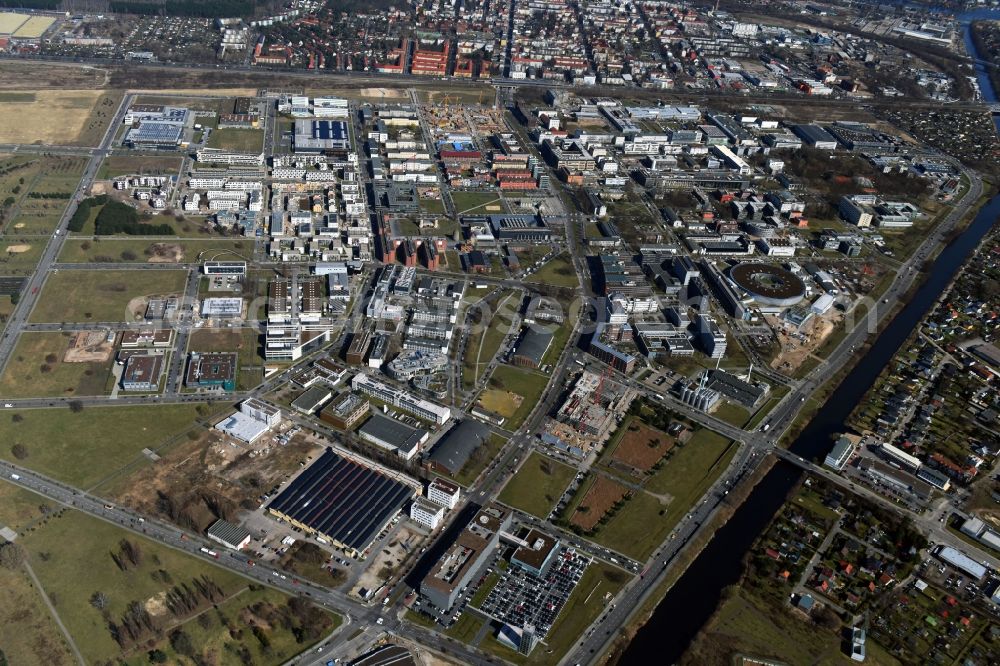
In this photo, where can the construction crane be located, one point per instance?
(599, 391)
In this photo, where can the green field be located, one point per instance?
(83, 448)
(243, 341)
(466, 628)
(20, 255)
(645, 520)
(37, 370)
(71, 576)
(445, 227)
(745, 625)
(538, 485)
(432, 206)
(528, 384)
(214, 636)
(24, 180)
(138, 250)
(246, 140)
(475, 203)
(95, 295)
(133, 165)
(558, 271)
(485, 342)
(28, 634)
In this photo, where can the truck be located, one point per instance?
(16, 477)
(767, 426)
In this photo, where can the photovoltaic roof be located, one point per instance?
(342, 499)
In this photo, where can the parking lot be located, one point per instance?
(522, 598)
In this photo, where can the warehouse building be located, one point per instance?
(229, 535)
(342, 501)
(393, 435)
(311, 399)
(455, 448)
(153, 135)
(532, 347)
(254, 418)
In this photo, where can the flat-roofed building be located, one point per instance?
(346, 411)
(453, 450)
(154, 337)
(222, 308)
(426, 513)
(536, 556)
(444, 492)
(142, 372)
(229, 535)
(342, 500)
(404, 400)
(312, 399)
(466, 557)
(211, 370)
(224, 267)
(841, 453)
(392, 435)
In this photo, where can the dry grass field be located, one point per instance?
(641, 447)
(601, 496)
(49, 117)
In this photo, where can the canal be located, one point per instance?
(695, 596)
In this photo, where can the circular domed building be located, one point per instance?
(768, 284)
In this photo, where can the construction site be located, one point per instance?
(589, 415)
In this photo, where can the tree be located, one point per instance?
(75, 406)
(157, 657)
(19, 451)
(11, 555)
(99, 600)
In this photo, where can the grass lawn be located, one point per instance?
(560, 336)
(19, 508)
(81, 449)
(477, 203)
(243, 341)
(746, 625)
(20, 255)
(484, 590)
(480, 458)
(420, 619)
(28, 634)
(94, 295)
(129, 165)
(538, 485)
(138, 250)
(466, 628)
(71, 576)
(37, 370)
(484, 343)
(213, 637)
(700, 460)
(246, 140)
(431, 205)
(528, 384)
(645, 521)
(445, 227)
(558, 271)
(731, 413)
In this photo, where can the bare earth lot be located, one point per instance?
(641, 447)
(598, 500)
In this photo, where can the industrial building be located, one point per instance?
(229, 535)
(737, 389)
(342, 501)
(311, 399)
(531, 348)
(321, 136)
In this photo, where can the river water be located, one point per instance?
(695, 596)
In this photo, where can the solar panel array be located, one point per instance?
(343, 500)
